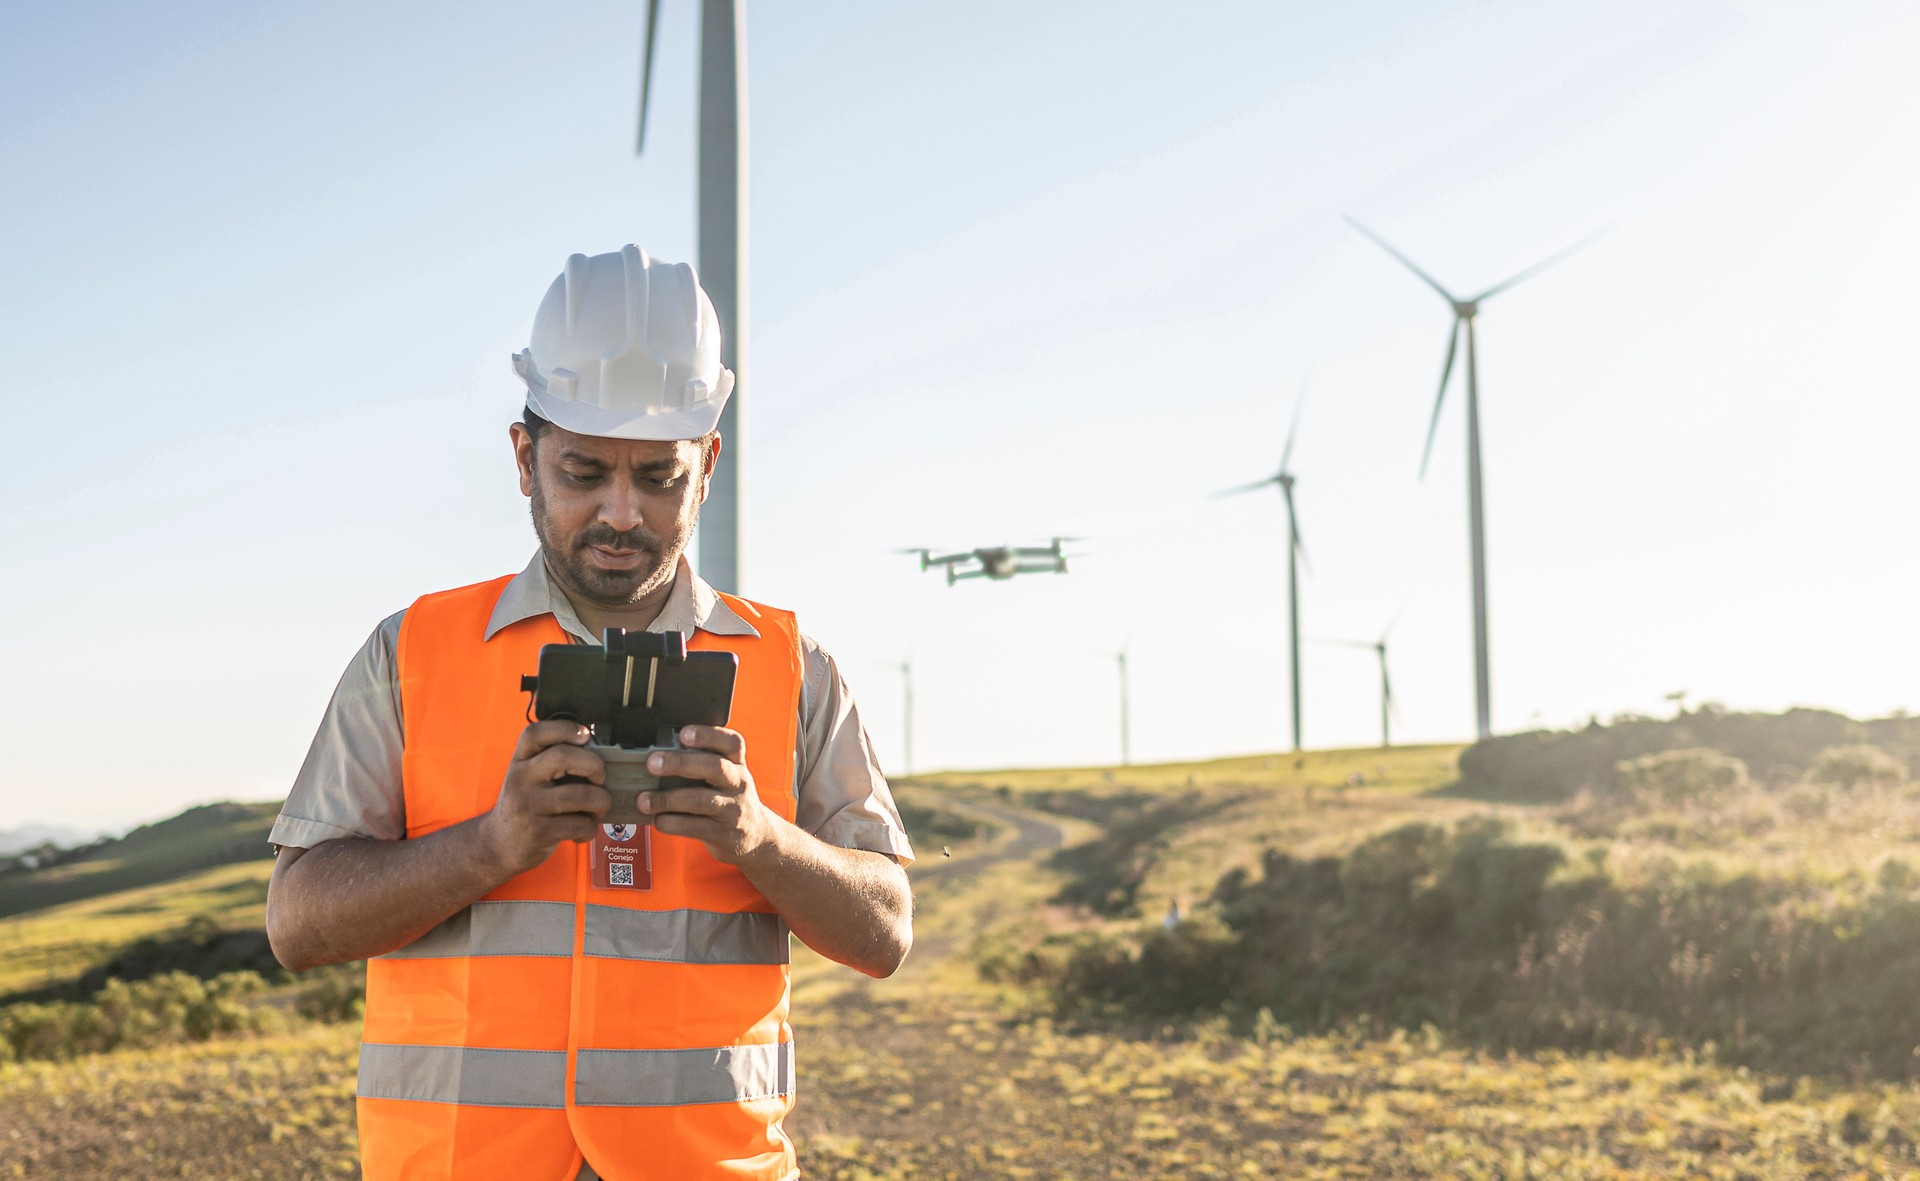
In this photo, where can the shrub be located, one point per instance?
(174, 1007)
(1858, 765)
(1552, 766)
(1108, 872)
(335, 992)
(1498, 938)
(1692, 776)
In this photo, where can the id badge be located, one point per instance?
(622, 857)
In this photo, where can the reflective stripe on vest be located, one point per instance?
(605, 1078)
(546, 928)
(551, 1019)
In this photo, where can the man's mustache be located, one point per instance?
(608, 537)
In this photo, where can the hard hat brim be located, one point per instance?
(692, 422)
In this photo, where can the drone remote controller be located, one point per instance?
(633, 692)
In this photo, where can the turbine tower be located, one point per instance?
(1296, 551)
(722, 257)
(1126, 717)
(1464, 312)
(1379, 646)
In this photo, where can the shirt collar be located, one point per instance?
(691, 604)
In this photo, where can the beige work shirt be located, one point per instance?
(350, 784)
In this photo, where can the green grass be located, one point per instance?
(61, 942)
(197, 839)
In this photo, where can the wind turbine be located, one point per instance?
(1126, 722)
(1386, 686)
(722, 256)
(1464, 311)
(1296, 550)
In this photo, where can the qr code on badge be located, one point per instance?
(619, 874)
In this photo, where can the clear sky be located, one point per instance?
(1018, 269)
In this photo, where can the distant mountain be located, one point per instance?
(28, 836)
(212, 834)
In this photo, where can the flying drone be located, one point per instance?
(999, 562)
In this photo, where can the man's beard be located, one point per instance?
(567, 558)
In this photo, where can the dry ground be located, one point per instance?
(930, 1075)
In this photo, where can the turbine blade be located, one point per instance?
(1404, 260)
(1542, 265)
(1293, 531)
(1245, 488)
(1338, 642)
(1446, 371)
(646, 75)
(1299, 404)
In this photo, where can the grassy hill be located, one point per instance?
(1154, 834)
(985, 1057)
(197, 839)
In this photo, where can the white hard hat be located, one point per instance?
(626, 347)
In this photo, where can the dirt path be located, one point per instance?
(1033, 835)
(946, 880)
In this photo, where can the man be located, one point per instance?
(525, 1019)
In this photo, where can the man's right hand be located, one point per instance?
(536, 810)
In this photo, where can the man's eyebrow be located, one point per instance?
(571, 456)
(656, 466)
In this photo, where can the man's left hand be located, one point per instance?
(725, 812)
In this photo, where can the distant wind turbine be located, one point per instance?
(1126, 719)
(1296, 549)
(1379, 646)
(1464, 311)
(722, 263)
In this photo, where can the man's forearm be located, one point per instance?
(850, 905)
(349, 899)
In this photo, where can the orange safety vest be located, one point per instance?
(644, 1030)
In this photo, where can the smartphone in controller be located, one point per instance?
(634, 692)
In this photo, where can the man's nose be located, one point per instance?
(620, 507)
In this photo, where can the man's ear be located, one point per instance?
(523, 455)
(708, 461)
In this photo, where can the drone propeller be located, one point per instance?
(925, 554)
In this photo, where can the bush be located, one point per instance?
(172, 1008)
(1691, 776)
(1502, 940)
(335, 992)
(1858, 765)
(1107, 873)
(1552, 766)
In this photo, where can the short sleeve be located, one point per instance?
(843, 799)
(350, 785)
